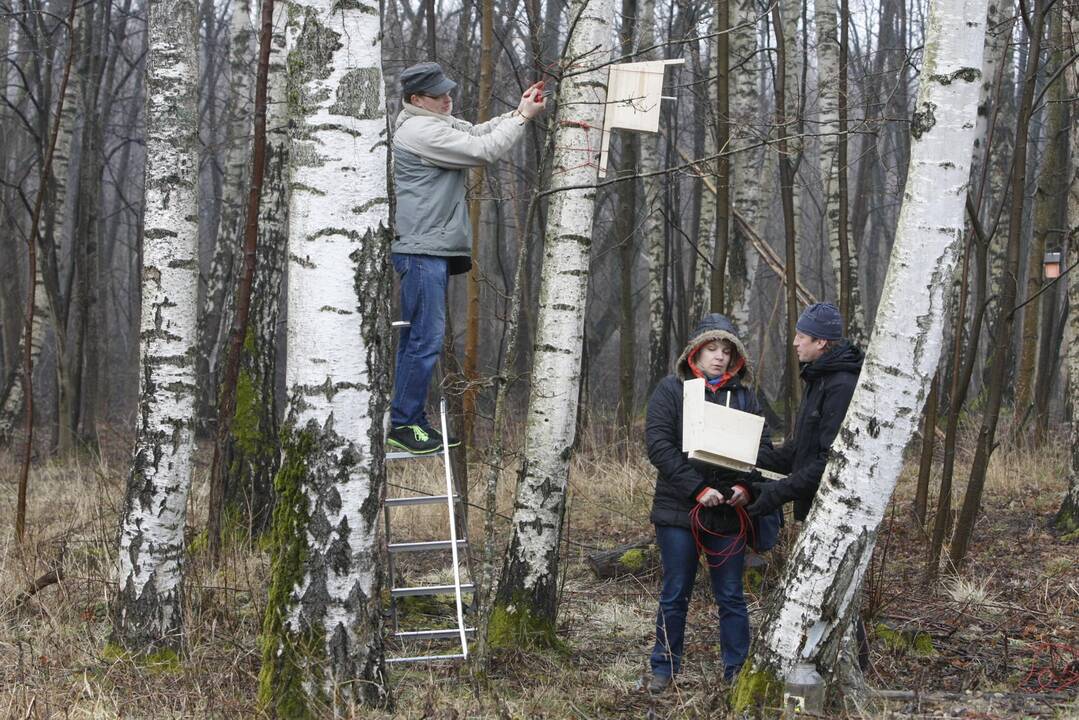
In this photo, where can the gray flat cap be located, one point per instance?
(425, 78)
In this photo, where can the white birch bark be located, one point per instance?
(11, 409)
(996, 42)
(749, 194)
(706, 237)
(706, 226)
(322, 651)
(826, 21)
(807, 621)
(252, 456)
(218, 304)
(652, 187)
(148, 613)
(45, 295)
(527, 591)
(1067, 517)
(1000, 162)
(791, 13)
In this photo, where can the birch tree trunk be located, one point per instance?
(653, 240)
(525, 603)
(1000, 352)
(252, 456)
(748, 194)
(701, 298)
(42, 55)
(322, 634)
(1067, 517)
(11, 408)
(794, 96)
(625, 228)
(147, 614)
(1047, 217)
(808, 619)
(996, 42)
(216, 316)
(828, 112)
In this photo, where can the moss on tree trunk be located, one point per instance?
(517, 624)
(286, 654)
(756, 688)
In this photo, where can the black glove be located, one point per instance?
(725, 476)
(768, 500)
(752, 476)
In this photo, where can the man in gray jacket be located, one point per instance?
(432, 154)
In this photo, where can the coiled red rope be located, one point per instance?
(716, 558)
(1054, 668)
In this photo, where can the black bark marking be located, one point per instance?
(923, 120)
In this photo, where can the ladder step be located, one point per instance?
(429, 590)
(415, 546)
(426, 658)
(404, 455)
(433, 634)
(420, 500)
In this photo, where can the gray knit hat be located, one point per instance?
(822, 321)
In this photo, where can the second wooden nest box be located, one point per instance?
(634, 92)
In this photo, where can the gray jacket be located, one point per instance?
(432, 154)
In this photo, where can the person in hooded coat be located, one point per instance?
(716, 354)
(830, 366)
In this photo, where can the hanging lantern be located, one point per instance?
(1051, 265)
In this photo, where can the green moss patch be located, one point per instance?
(289, 658)
(756, 688)
(913, 642)
(633, 560)
(158, 660)
(514, 625)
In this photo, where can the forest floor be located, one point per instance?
(998, 639)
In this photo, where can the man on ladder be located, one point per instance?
(432, 153)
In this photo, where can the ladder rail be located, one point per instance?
(453, 534)
(451, 498)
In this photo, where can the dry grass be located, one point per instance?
(1018, 586)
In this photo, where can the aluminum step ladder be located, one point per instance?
(454, 544)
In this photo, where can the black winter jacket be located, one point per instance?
(829, 385)
(679, 480)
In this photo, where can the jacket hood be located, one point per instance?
(712, 327)
(844, 357)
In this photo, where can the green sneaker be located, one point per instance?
(436, 435)
(413, 439)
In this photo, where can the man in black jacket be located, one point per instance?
(830, 368)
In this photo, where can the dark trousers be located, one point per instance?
(678, 552)
(423, 304)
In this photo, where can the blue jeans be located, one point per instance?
(678, 553)
(423, 303)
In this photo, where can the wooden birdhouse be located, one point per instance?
(634, 93)
(716, 434)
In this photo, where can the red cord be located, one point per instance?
(745, 529)
(1062, 671)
